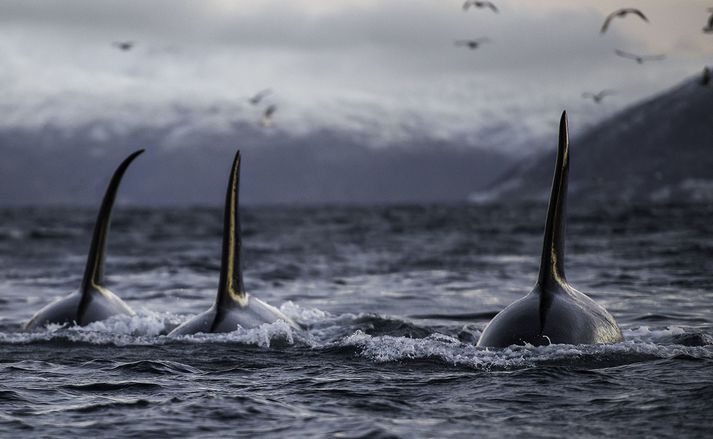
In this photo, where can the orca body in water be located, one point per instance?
(92, 302)
(553, 312)
(233, 306)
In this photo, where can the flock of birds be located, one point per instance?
(255, 100)
(267, 111)
(597, 98)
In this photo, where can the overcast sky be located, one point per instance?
(386, 69)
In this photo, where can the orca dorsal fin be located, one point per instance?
(552, 263)
(94, 271)
(231, 290)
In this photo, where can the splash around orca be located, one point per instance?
(233, 306)
(92, 302)
(553, 312)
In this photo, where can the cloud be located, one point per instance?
(383, 69)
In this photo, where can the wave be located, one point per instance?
(449, 350)
(162, 367)
(377, 338)
(112, 386)
(11, 396)
(113, 403)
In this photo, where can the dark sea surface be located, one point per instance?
(393, 300)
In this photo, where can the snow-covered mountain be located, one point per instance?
(187, 163)
(659, 150)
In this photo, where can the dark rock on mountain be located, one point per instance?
(659, 150)
(188, 165)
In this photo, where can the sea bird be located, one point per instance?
(621, 13)
(259, 96)
(266, 120)
(639, 58)
(123, 45)
(471, 44)
(597, 97)
(706, 77)
(479, 5)
(709, 27)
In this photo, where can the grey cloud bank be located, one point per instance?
(50, 166)
(352, 58)
(363, 75)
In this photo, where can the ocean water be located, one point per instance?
(393, 300)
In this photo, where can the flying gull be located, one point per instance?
(479, 4)
(597, 97)
(259, 96)
(472, 44)
(123, 45)
(709, 27)
(639, 58)
(266, 120)
(621, 13)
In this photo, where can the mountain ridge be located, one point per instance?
(185, 165)
(657, 150)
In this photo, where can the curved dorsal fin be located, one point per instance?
(231, 289)
(94, 272)
(552, 263)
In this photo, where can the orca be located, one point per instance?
(553, 312)
(233, 306)
(93, 301)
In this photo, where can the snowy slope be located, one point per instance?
(659, 150)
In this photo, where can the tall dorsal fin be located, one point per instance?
(231, 290)
(94, 272)
(552, 263)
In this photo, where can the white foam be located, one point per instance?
(449, 350)
(646, 333)
(144, 323)
(304, 315)
(326, 330)
(263, 336)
